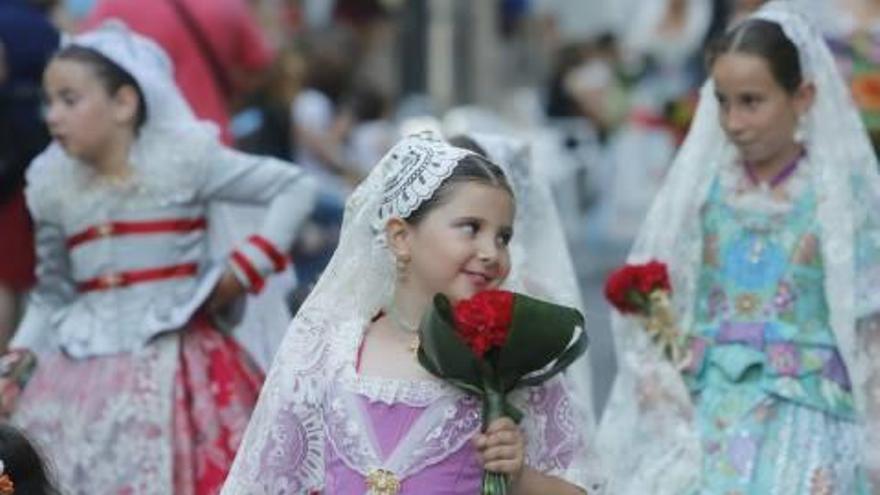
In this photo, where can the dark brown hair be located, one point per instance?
(764, 39)
(23, 464)
(473, 168)
(111, 75)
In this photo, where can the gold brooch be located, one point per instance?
(383, 482)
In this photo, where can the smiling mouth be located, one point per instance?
(480, 279)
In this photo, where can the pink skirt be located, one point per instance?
(167, 419)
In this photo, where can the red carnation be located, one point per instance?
(628, 288)
(653, 276)
(484, 320)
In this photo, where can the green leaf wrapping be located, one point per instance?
(540, 333)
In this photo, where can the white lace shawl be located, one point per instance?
(646, 434)
(282, 452)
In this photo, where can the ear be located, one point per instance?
(398, 234)
(126, 102)
(804, 97)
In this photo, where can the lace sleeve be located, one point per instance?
(646, 435)
(559, 440)
(283, 448)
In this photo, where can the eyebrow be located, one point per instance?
(63, 92)
(469, 218)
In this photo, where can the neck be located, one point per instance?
(113, 162)
(768, 170)
(407, 307)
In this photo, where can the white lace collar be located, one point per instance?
(738, 191)
(412, 392)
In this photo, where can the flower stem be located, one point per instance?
(493, 408)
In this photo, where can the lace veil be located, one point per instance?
(647, 435)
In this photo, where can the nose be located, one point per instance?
(488, 251)
(733, 121)
(52, 115)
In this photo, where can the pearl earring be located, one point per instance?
(402, 263)
(800, 131)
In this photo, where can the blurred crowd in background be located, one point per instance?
(602, 90)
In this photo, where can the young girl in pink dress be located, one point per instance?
(347, 408)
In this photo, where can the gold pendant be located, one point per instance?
(383, 482)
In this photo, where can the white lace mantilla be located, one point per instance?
(415, 169)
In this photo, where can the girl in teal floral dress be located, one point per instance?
(768, 223)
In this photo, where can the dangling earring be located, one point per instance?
(800, 130)
(402, 263)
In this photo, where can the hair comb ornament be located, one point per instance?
(413, 169)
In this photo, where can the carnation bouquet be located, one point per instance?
(495, 342)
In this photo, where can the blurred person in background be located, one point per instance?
(742, 8)
(320, 128)
(27, 40)
(373, 131)
(137, 387)
(264, 125)
(663, 44)
(217, 46)
(852, 28)
(584, 83)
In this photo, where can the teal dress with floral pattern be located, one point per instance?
(773, 397)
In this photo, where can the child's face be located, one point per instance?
(460, 247)
(756, 112)
(82, 116)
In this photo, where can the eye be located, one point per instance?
(505, 237)
(723, 103)
(750, 100)
(469, 227)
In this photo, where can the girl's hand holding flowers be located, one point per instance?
(502, 448)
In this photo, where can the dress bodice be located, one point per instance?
(762, 305)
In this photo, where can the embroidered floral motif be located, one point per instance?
(783, 300)
(747, 304)
(784, 359)
(717, 302)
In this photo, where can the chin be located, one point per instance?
(460, 293)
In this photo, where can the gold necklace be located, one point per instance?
(409, 328)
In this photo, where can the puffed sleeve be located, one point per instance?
(283, 188)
